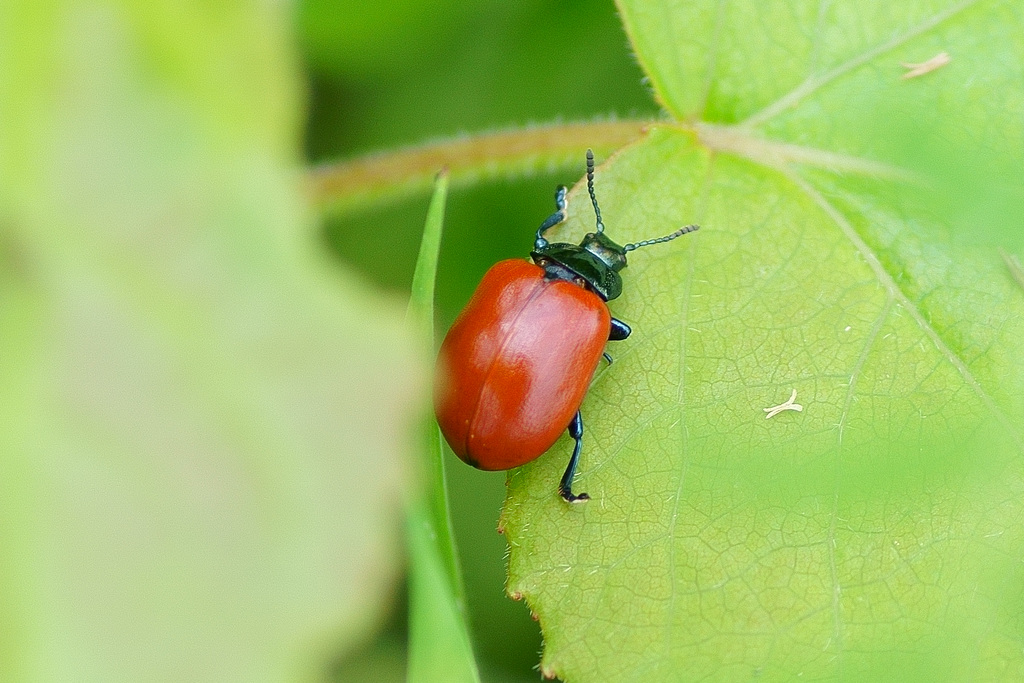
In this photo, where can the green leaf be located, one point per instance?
(204, 429)
(876, 533)
(439, 645)
(421, 300)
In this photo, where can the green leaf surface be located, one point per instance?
(439, 644)
(203, 429)
(876, 533)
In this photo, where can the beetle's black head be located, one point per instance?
(574, 262)
(596, 260)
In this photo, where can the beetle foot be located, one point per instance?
(570, 497)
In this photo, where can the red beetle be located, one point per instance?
(514, 368)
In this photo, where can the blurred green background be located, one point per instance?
(398, 72)
(183, 420)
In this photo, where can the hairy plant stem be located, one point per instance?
(507, 153)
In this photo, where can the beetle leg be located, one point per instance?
(554, 219)
(565, 486)
(619, 331)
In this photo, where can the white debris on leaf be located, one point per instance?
(922, 68)
(788, 405)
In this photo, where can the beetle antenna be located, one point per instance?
(667, 238)
(590, 187)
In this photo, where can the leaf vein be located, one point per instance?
(814, 83)
(901, 298)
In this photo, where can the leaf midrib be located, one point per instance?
(887, 281)
(739, 141)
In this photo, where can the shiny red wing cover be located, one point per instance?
(516, 364)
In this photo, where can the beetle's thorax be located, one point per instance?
(597, 260)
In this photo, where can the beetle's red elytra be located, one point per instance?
(519, 359)
(513, 370)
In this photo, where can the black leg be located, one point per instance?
(554, 219)
(619, 331)
(565, 486)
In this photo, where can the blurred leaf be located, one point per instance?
(439, 646)
(471, 65)
(876, 534)
(383, 662)
(203, 430)
(421, 299)
(371, 36)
